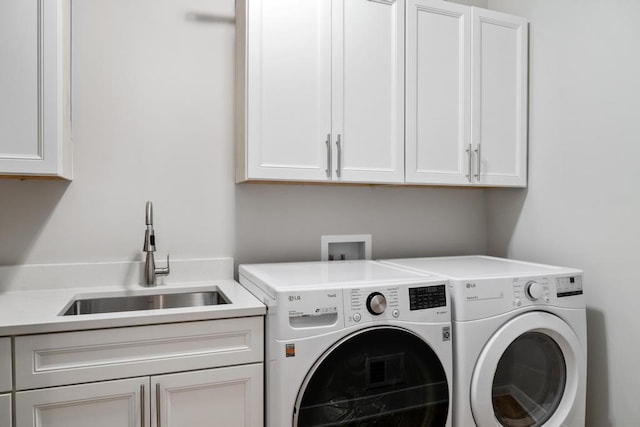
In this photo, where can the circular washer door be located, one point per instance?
(384, 376)
(527, 374)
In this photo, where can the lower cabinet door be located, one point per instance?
(225, 397)
(5, 409)
(121, 403)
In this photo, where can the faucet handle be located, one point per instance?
(163, 271)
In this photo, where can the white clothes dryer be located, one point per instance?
(354, 343)
(520, 341)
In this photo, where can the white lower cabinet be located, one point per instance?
(5, 381)
(193, 374)
(225, 397)
(106, 404)
(222, 397)
(5, 409)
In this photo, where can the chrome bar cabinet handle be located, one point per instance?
(478, 162)
(158, 424)
(328, 144)
(470, 162)
(339, 162)
(142, 405)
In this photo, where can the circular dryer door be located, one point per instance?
(527, 374)
(383, 376)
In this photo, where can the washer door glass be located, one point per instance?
(529, 381)
(377, 377)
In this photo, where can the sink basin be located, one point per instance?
(114, 304)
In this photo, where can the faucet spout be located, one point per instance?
(150, 270)
(149, 214)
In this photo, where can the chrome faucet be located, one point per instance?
(150, 270)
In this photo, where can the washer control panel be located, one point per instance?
(406, 302)
(427, 297)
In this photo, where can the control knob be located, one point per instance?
(376, 303)
(533, 290)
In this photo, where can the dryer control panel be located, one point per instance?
(545, 290)
(416, 302)
(534, 290)
(569, 286)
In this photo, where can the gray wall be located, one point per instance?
(153, 120)
(583, 204)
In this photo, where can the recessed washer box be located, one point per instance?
(345, 247)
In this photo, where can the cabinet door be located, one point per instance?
(105, 404)
(6, 382)
(34, 88)
(5, 410)
(499, 99)
(438, 93)
(287, 60)
(223, 397)
(368, 87)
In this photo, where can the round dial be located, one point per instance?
(376, 303)
(533, 290)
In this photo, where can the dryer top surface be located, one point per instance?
(466, 267)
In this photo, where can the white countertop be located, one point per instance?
(38, 311)
(32, 297)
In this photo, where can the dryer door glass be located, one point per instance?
(383, 376)
(529, 381)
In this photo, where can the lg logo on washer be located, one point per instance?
(293, 298)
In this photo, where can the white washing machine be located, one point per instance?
(354, 343)
(519, 340)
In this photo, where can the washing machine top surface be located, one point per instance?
(476, 266)
(276, 277)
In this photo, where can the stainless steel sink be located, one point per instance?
(115, 304)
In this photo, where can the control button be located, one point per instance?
(533, 290)
(518, 302)
(376, 303)
(357, 317)
(546, 298)
(395, 313)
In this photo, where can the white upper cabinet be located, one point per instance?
(499, 118)
(368, 108)
(34, 88)
(284, 102)
(320, 90)
(466, 96)
(438, 94)
(381, 91)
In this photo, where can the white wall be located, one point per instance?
(153, 120)
(279, 223)
(582, 207)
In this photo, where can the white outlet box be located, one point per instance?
(345, 247)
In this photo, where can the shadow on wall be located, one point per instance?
(598, 371)
(26, 208)
(504, 207)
